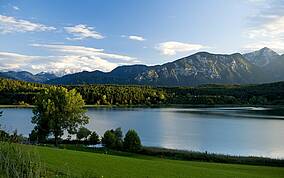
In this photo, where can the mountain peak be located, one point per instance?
(266, 49)
(262, 57)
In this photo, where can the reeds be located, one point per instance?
(18, 161)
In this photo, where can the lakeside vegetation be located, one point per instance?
(58, 110)
(14, 92)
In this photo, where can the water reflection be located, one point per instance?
(237, 131)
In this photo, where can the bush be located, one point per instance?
(132, 141)
(109, 140)
(94, 138)
(119, 138)
(83, 133)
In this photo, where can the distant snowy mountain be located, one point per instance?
(27, 76)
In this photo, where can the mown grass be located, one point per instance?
(95, 164)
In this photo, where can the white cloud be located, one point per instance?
(65, 59)
(81, 32)
(173, 47)
(16, 8)
(11, 24)
(270, 34)
(136, 38)
(85, 51)
(272, 29)
(13, 61)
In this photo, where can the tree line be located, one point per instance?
(18, 92)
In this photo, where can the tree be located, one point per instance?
(57, 109)
(132, 141)
(109, 139)
(118, 133)
(83, 133)
(94, 138)
(1, 112)
(119, 138)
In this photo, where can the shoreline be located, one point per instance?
(151, 106)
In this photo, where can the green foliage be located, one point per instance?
(132, 141)
(119, 138)
(121, 95)
(1, 112)
(109, 139)
(113, 139)
(57, 109)
(4, 136)
(94, 138)
(15, 92)
(83, 133)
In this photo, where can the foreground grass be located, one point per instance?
(79, 163)
(17, 161)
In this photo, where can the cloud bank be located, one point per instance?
(65, 59)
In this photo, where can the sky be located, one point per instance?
(63, 36)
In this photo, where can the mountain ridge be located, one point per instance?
(27, 76)
(196, 69)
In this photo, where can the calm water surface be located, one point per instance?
(236, 131)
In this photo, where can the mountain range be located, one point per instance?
(28, 77)
(260, 66)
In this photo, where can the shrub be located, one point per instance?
(109, 139)
(83, 133)
(119, 138)
(132, 141)
(94, 138)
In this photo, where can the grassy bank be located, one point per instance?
(79, 163)
(181, 155)
(36, 161)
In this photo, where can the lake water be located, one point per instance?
(235, 131)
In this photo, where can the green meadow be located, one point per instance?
(86, 164)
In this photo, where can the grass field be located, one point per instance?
(79, 163)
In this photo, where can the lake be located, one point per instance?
(237, 131)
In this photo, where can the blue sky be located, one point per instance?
(70, 36)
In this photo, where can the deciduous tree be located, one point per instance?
(57, 109)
